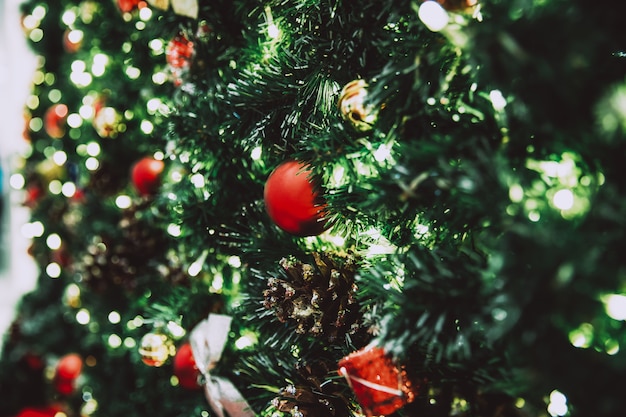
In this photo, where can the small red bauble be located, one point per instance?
(293, 201)
(69, 366)
(54, 120)
(185, 368)
(127, 6)
(68, 369)
(179, 54)
(179, 51)
(38, 412)
(146, 175)
(378, 384)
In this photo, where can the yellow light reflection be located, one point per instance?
(582, 336)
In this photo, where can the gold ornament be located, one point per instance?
(187, 8)
(352, 106)
(108, 122)
(160, 4)
(156, 348)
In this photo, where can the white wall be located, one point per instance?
(18, 272)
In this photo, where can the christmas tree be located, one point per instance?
(323, 208)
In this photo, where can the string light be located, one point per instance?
(17, 181)
(53, 270)
(83, 317)
(615, 306)
(123, 201)
(69, 17)
(497, 100)
(558, 404)
(433, 15)
(32, 230)
(114, 341)
(174, 230)
(114, 317)
(98, 66)
(256, 153)
(195, 268)
(53, 241)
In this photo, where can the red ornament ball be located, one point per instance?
(380, 386)
(179, 51)
(69, 366)
(178, 55)
(293, 200)
(38, 412)
(127, 6)
(185, 368)
(54, 120)
(146, 175)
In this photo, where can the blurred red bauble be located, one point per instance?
(33, 195)
(69, 366)
(54, 120)
(65, 386)
(178, 55)
(185, 368)
(127, 6)
(38, 412)
(68, 369)
(179, 51)
(293, 201)
(379, 385)
(146, 175)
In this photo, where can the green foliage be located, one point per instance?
(484, 206)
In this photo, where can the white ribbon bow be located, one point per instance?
(207, 341)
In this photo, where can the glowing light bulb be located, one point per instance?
(615, 306)
(273, 31)
(558, 404)
(53, 241)
(53, 270)
(123, 201)
(563, 199)
(497, 100)
(433, 15)
(114, 317)
(83, 317)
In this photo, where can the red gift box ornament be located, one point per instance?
(380, 386)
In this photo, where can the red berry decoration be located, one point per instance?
(378, 384)
(146, 175)
(293, 201)
(185, 368)
(54, 120)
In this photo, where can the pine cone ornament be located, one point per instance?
(318, 298)
(316, 395)
(118, 261)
